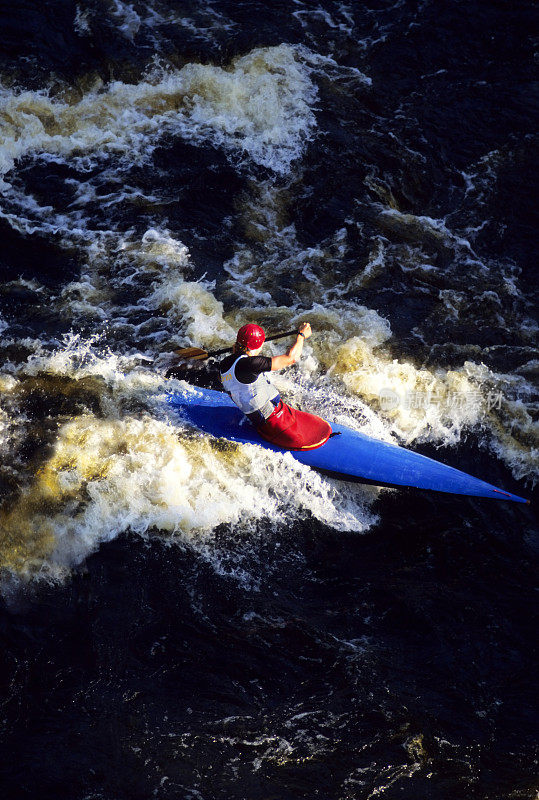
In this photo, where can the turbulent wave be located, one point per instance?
(137, 289)
(116, 470)
(186, 617)
(259, 106)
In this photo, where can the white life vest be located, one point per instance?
(255, 397)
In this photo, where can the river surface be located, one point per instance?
(183, 619)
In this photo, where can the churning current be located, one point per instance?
(188, 618)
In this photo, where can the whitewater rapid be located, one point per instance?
(113, 461)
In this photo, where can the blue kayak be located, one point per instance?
(350, 455)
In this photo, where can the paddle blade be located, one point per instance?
(192, 352)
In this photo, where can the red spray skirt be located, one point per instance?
(295, 430)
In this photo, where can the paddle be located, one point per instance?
(197, 354)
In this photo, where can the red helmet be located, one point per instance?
(251, 336)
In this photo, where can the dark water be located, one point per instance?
(185, 620)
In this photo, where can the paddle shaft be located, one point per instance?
(203, 355)
(267, 339)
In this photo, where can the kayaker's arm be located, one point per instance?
(294, 352)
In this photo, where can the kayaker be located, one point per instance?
(243, 374)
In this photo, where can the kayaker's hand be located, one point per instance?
(293, 352)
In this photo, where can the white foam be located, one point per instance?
(436, 228)
(204, 22)
(130, 21)
(329, 68)
(312, 17)
(82, 21)
(259, 108)
(142, 473)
